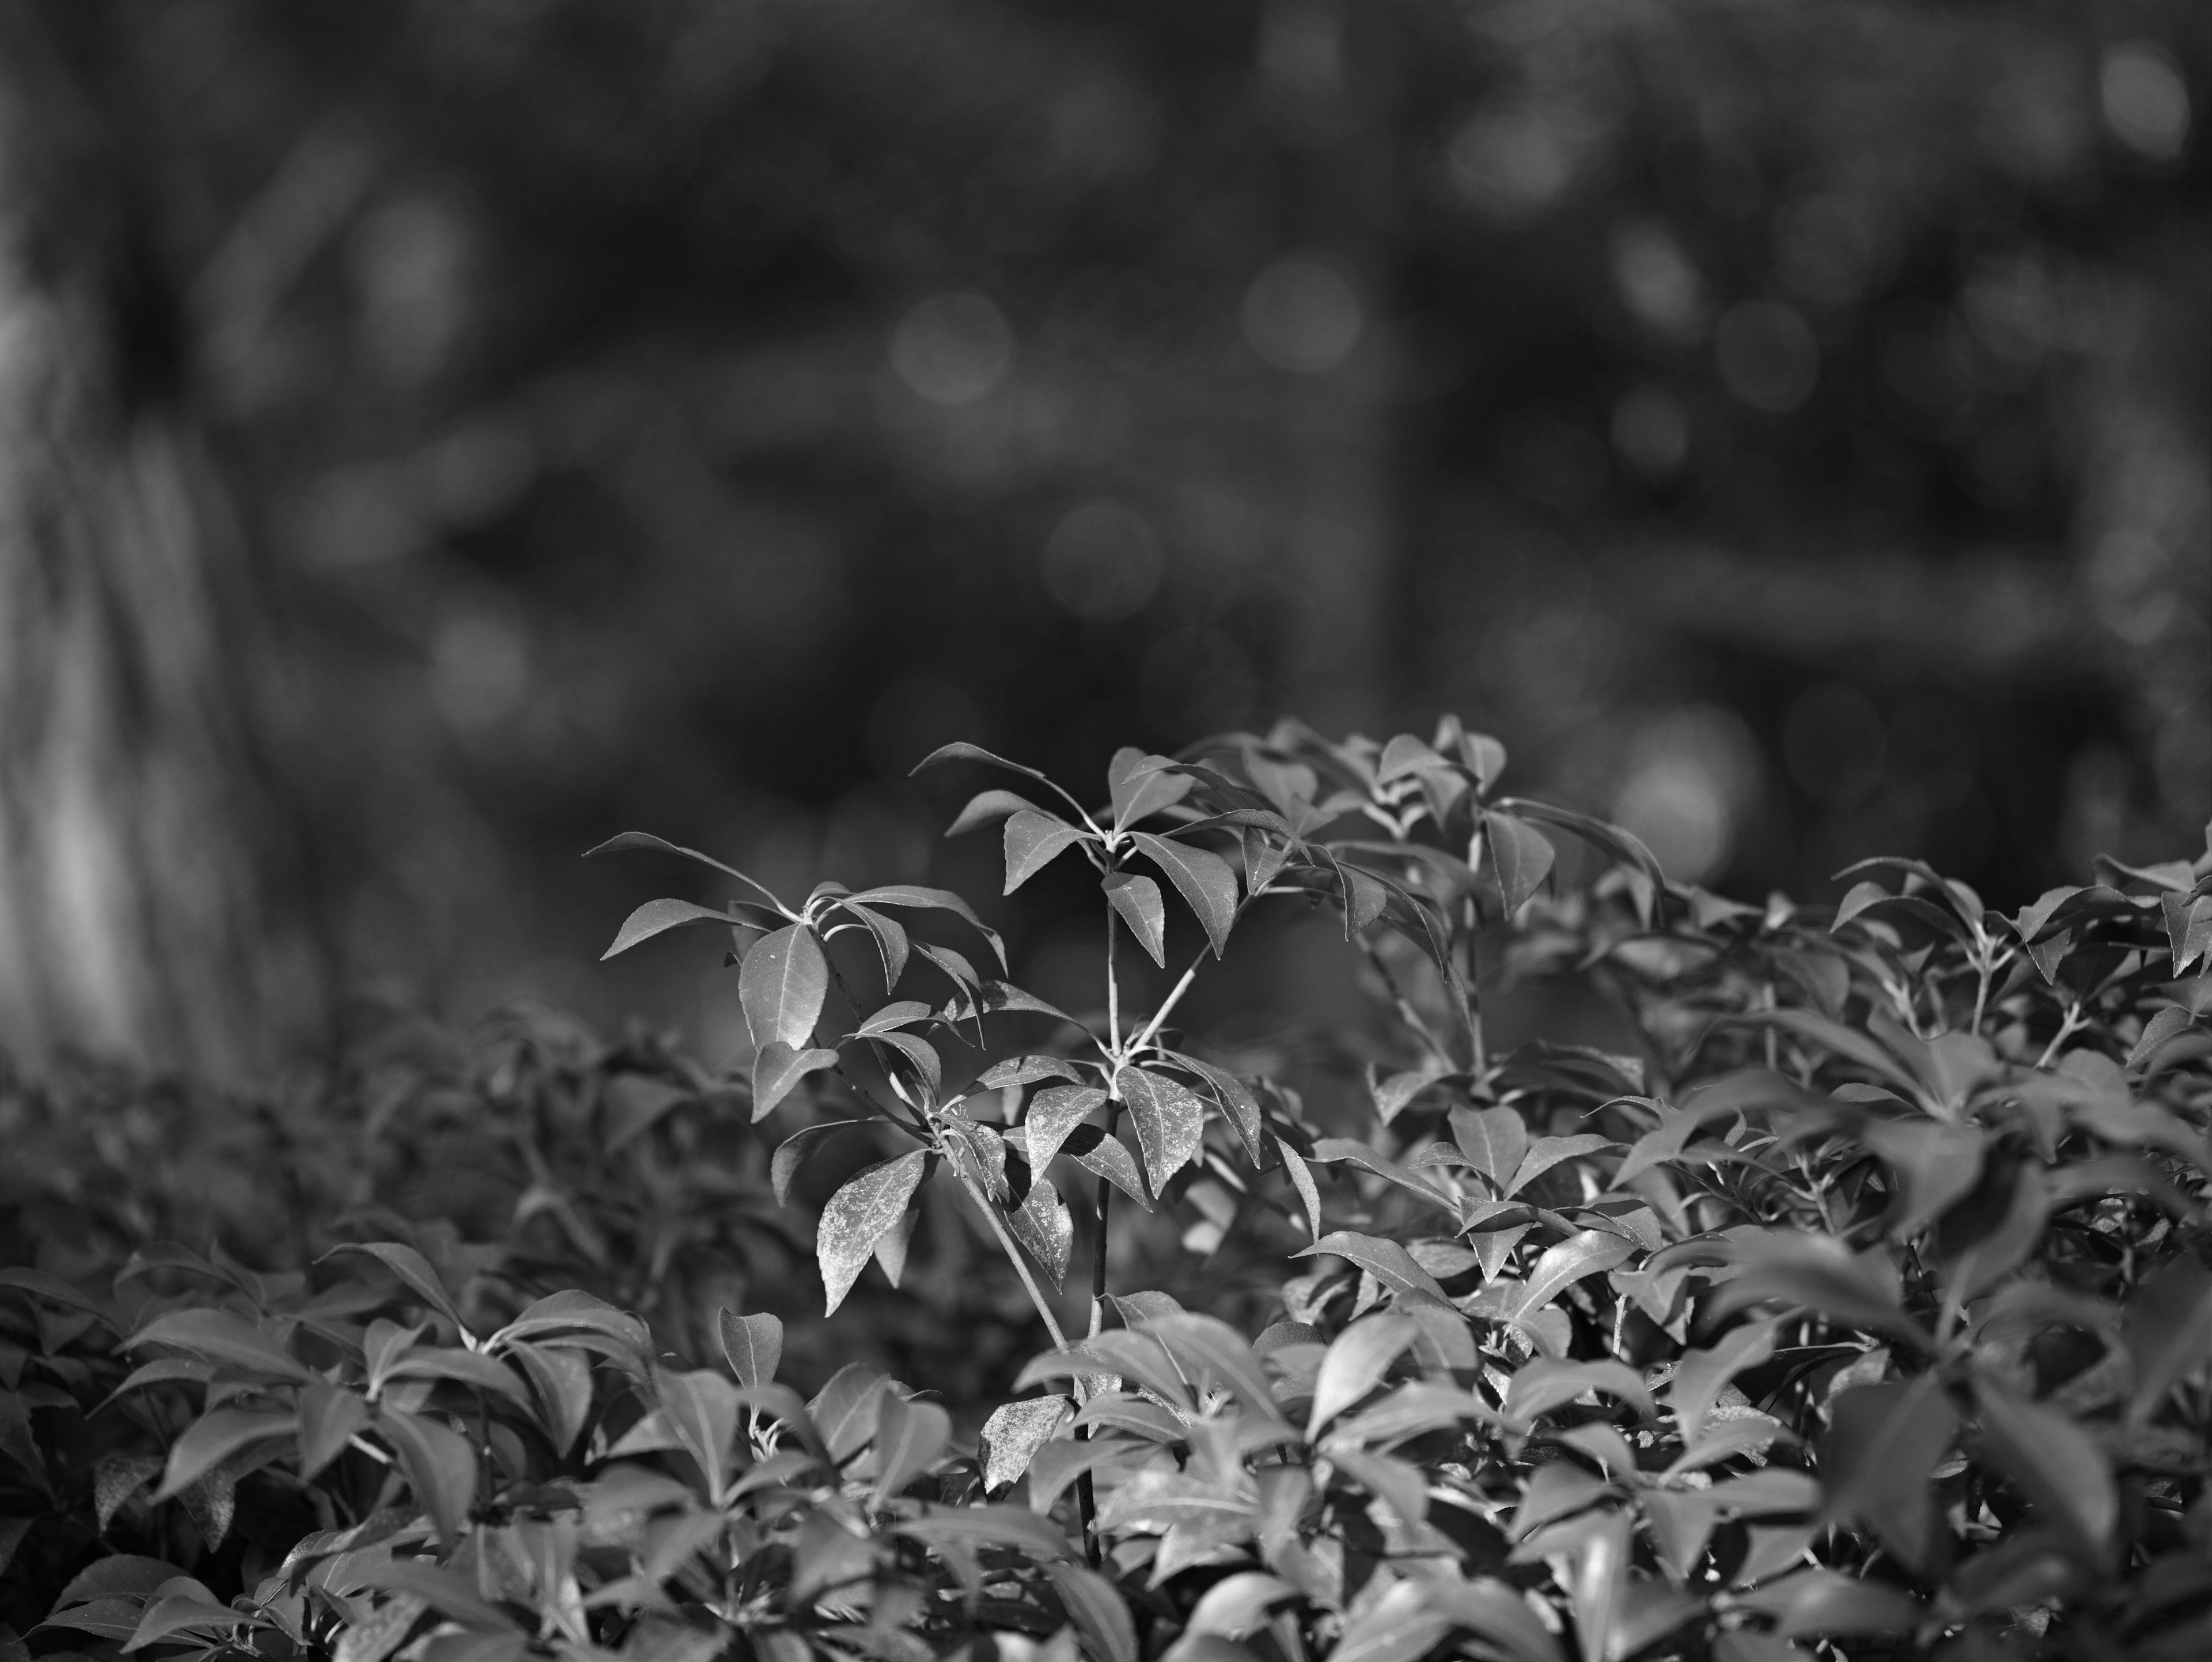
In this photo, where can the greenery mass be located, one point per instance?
(1861, 1309)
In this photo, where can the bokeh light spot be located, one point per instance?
(1767, 356)
(953, 349)
(2146, 102)
(1300, 315)
(1103, 562)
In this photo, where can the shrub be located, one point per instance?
(1856, 1296)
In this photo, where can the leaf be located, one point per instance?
(1109, 1157)
(857, 1215)
(1095, 1608)
(1141, 785)
(658, 916)
(1053, 1112)
(54, 1289)
(186, 1612)
(1205, 882)
(1171, 1123)
(1547, 1152)
(1702, 1374)
(944, 900)
(1883, 1442)
(1045, 1229)
(2168, 1331)
(1210, 1350)
(1355, 1364)
(214, 1438)
(1236, 1101)
(1586, 1253)
(2052, 1461)
(1493, 1611)
(561, 1375)
(1057, 1463)
(224, 1336)
(441, 1467)
(793, 1153)
(1386, 1260)
(414, 1271)
(1825, 1602)
(909, 1436)
(1034, 840)
(1301, 1180)
(1522, 854)
(1819, 1273)
(116, 1480)
(961, 751)
(987, 807)
(1026, 1070)
(782, 985)
(1137, 901)
(1396, 1627)
(1014, 1433)
(1939, 1164)
(891, 1245)
(1494, 1140)
(1547, 1383)
(844, 1410)
(1238, 1604)
(752, 1345)
(891, 938)
(777, 1069)
(634, 841)
(444, 1590)
(466, 1367)
(989, 1526)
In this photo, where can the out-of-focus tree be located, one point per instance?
(1786, 426)
(144, 900)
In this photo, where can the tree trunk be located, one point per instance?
(136, 866)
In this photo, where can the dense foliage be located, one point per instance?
(1863, 1302)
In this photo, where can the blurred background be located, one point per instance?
(440, 434)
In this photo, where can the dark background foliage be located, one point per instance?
(1786, 428)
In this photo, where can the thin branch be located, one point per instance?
(1013, 1253)
(1173, 999)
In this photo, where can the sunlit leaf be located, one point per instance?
(857, 1216)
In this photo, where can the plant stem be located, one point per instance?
(1086, 1501)
(1013, 1255)
(1174, 998)
(1113, 987)
(1406, 1013)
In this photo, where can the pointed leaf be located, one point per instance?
(793, 1153)
(1494, 1140)
(857, 1216)
(777, 1069)
(2053, 1462)
(890, 937)
(2168, 1331)
(1053, 1114)
(1014, 1433)
(1109, 1157)
(987, 807)
(1702, 1374)
(1034, 840)
(1386, 1260)
(1301, 1180)
(1139, 786)
(1206, 882)
(1171, 1123)
(753, 1346)
(1882, 1443)
(414, 1270)
(1137, 901)
(909, 1436)
(782, 985)
(915, 896)
(1043, 1227)
(441, 1467)
(224, 1336)
(1355, 1364)
(1095, 1606)
(1522, 855)
(658, 916)
(1586, 1253)
(213, 1439)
